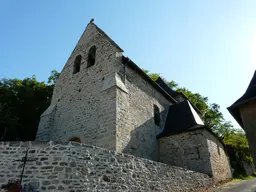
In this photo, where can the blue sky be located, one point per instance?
(206, 46)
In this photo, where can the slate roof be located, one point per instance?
(165, 87)
(173, 93)
(249, 95)
(182, 117)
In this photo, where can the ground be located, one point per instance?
(240, 186)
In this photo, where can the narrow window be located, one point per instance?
(91, 56)
(198, 152)
(76, 139)
(77, 64)
(157, 116)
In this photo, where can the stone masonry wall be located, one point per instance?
(188, 149)
(85, 102)
(136, 128)
(78, 167)
(220, 164)
(197, 150)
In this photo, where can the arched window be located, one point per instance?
(91, 56)
(77, 64)
(157, 116)
(76, 139)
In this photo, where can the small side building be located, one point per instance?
(186, 142)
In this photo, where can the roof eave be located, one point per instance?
(198, 128)
(234, 110)
(236, 114)
(179, 132)
(236, 105)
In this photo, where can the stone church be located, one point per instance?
(103, 98)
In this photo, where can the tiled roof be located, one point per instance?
(182, 117)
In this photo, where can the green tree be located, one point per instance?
(21, 104)
(238, 150)
(54, 76)
(155, 76)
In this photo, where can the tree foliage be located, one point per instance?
(54, 76)
(237, 139)
(21, 104)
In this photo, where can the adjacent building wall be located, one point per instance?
(197, 150)
(136, 128)
(79, 167)
(248, 115)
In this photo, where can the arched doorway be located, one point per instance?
(76, 139)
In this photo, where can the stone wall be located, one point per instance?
(197, 150)
(78, 167)
(187, 149)
(220, 164)
(136, 128)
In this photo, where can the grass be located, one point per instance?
(235, 180)
(242, 178)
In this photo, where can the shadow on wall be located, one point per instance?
(143, 142)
